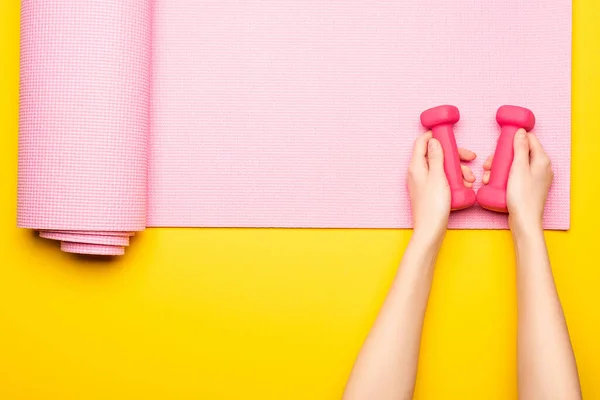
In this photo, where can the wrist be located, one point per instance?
(527, 236)
(525, 230)
(430, 239)
(422, 249)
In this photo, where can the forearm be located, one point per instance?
(546, 365)
(387, 364)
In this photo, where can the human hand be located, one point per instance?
(428, 186)
(529, 181)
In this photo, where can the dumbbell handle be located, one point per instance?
(503, 157)
(444, 133)
(461, 196)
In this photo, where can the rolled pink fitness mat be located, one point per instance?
(301, 114)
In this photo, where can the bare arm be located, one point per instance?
(386, 366)
(546, 363)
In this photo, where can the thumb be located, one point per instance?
(521, 148)
(435, 157)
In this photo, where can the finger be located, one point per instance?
(467, 174)
(521, 147)
(466, 155)
(487, 165)
(535, 147)
(486, 177)
(420, 145)
(419, 160)
(468, 184)
(435, 158)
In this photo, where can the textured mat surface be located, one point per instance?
(269, 113)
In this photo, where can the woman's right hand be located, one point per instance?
(529, 181)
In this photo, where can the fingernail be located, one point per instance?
(434, 144)
(521, 133)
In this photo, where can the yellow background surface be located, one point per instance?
(278, 314)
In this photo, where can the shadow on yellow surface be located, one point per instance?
(273, 313)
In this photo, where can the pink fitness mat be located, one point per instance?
(269, 113)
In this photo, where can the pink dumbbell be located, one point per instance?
(440, 121)
(511, 118)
